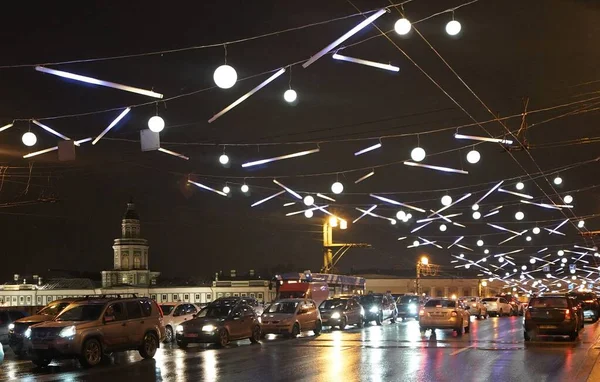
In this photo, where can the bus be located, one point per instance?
(318, 286)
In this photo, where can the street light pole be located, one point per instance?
(329, 258)
(422, 261)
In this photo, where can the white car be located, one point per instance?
(497, 306)
(475, 306)
(443, 313)
(174, 314)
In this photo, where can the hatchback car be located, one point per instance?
(475, 306)
(408, 306)
(8, 317)
(18, 328)
(174, 314)
(379, 307)
(444, 314)
(224, 320)
(341, 312)
(498, 306)
(551, 315)
(291, 316)
(94, 326)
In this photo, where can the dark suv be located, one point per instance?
(379, 307)
(223, 320)
(551, 315)
(589, 304)
(408, 306)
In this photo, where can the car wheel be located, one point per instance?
(91, 353)
(361, 322)
(318, 328)
(526, 336)
(573, 336)
(182, 344)
(256, 335)
(468, 328)
(149, 346)
(595, 318)
(40, 360)
(168, 335)
(295, 331)
(343, 323)
(379, 318)
(223, 338)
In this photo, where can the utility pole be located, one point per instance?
(423, 261)
(330, 259)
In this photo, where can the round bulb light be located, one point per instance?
(416, 243)
(558, 180)
(245, 188)
(308, 213)
(561, 252)
(156, 124)
(226, 189)
(467, 266)
(480, 243)
(290, 95)
(524, 267)
(520, 186)
(446, 200)
(29, 139)
(224, 159)
(402, 26)
(563, 260)
(408, 216)
(476, 215)
(393, 221)
(337, 188)
(309, 200)
(501, 259)
(453, 28)
(486, 251)
(401, 215)
(443, 227)
(532, 261)
(519, 215)
(473, 156)
(528, 238)
(475, 207)
(581, 224)
(568, 199)
(536, 230)
(417, 154)
(225, 76)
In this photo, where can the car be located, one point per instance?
(516, 308)
(91, 327)
(551, 315)
(497, 306)
(8, 317)
(408, 306)
(291, 316)
(18, 328)
(220, 322)
(379, 307)
(475, 306)
(341, 312)
(174, 313)
(443, 313)
(589, 304)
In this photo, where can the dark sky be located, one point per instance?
(507, 50)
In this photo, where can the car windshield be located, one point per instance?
(490, 299)
(370, 299)
(54, 309)
(215, 311)
(332, 304)
(86, 312)
(167, 309)
(407, 299)
(440, 304)
(550, 302)
(288, 307)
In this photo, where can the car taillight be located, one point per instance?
(453, 314)
(421, 312)
(567, 314)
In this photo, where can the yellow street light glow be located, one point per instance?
(333, 221)
(424, 260)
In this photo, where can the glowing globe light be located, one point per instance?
(563, 260)
(560, 252)
(245, 188)
(29, 139)
(446, 200)
(406, 219)
(483, 260)
(156, 124)
(417, 154)
(226, 190)
(393, 221)
(290, 95)
(337, 188)
(559, 285)
(473, 156)
(515, 270)
(520, 186)
(401, 215)
(536, 230)
(558, 180)
(573, 277)
(548, 275)
(486, 251)
(225, 76)
(476, 215)
(532, 261)
(224, 159)
(528, 238)
(333, 221)
(480, 243)
(416, 243)
(524, 267)
(580, 224)
(309, 200)
(453, 28)
(462, 255)
(443, 227)
(568, 199)
(343, 224)
(501, 259)
(491, 279)
(519, 215)
(475, 207)
(308, 213)
(514, 289)
(467, 266)
(402, 26)
(408, 216)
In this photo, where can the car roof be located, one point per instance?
(170, 303)
(293, 300)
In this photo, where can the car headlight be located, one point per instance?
(362, 311)
(335, 315)
(27, 333)
(208, 328)
(412, 307)
(179, 328)
(11, 326)
(374, 309)
(69, 331)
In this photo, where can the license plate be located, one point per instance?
(190, 335)
(547, 326)
(39, 346)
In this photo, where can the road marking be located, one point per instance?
(461, 350)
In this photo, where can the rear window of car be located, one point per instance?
(440, 304)
(494, 299)
(407, 299)
(550, 302)
(147, 307)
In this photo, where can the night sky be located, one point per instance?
(545, 50)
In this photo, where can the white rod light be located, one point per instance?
(303, 211)
(365, 213)
(267, 198)
(502, 228)
(456, 242)
(512, 237)
(289, 204)
(397, 203)
(344, 37)
(44, 151)
(207, 188)
(419, 227)
(437, 168)
(247, 95)
(377, 216)
(173, 153)
(489, 192)
(373, 64)
(553, 231)
(282, 157)
(588, 248)
(445, 217)
(50, 130)
(542, 250)
(450, 205)
(463, 247)
(366, 150)
(483, 139)
(491, 213)
(112, 124)
(515, 193)
(326, 197)
(6, 127)
(364, 177)
(94, 81)
(544, 205)
(296, 195)
(425, 241)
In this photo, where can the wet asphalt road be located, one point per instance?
(494, 350)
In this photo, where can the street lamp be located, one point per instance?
(424, 260)
(333, 221)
